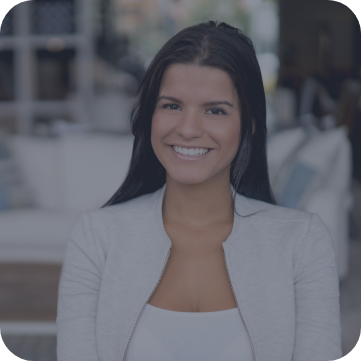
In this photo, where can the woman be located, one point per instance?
(191, 259)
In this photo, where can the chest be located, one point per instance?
(195, 278)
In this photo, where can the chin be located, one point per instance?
(188, 178)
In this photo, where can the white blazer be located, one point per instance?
(281, 264)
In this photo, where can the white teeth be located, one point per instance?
(191, 151)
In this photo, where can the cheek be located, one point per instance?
(154, 135)
(236, 133)
(230, 137)
(160, 129)
(234, 144)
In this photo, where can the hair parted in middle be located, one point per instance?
(220, 46)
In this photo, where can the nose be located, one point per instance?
(190, 125)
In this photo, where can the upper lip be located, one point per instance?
(189, 146)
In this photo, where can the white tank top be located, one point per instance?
(163, 335)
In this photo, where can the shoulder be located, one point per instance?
(297, 235)
(279, 223)
(259, 209)
(101, 227)
(135, 208)
(285, 226)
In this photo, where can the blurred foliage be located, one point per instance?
(148, 24)
(232, 12)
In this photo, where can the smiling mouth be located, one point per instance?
(191, 151)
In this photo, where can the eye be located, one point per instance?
(216, 111)
(170, 106)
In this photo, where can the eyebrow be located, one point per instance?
(212, 103)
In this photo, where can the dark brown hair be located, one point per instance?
(220, 46)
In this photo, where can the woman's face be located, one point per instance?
(196, 124)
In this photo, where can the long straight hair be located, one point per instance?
(220, 46)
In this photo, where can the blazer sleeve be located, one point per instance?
(316, 284)
(78, 295)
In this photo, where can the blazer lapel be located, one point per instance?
(133, 267)
(263, 289)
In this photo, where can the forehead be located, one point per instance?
(197, 81)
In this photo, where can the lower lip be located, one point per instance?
(191, 158)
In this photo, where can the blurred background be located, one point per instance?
(69, 70)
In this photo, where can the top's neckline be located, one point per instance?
(190, 314)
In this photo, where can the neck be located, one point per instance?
(198, 205)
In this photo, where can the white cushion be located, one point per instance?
(34, 235)
(281, 147)
(94, 167)
(41, 165)
(111, 112)
(14, 191)
(74, 172)
(340, 174)
(307, 167)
